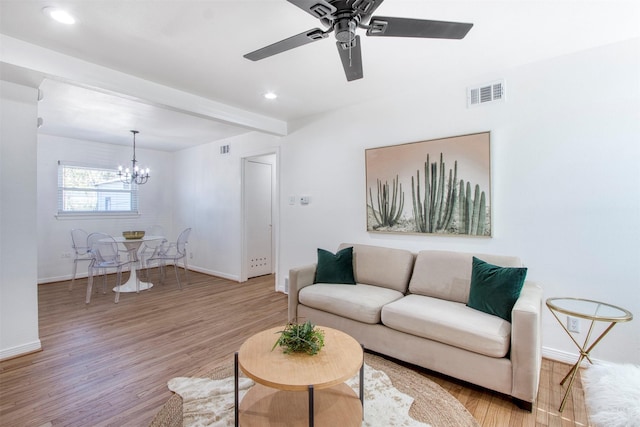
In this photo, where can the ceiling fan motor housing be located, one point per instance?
(346, 21)
(345, 29)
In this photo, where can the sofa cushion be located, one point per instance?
(336, 268)
(450, 323)
(494, 289)
(385, 267)
(447, 275)
(360, 302)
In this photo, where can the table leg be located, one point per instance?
(131, 285)
(235, 387)
(311, 406)
(573, 372)
(569, 332)
(584, 354)
(362, 383)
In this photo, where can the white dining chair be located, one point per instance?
(149, 247)
(173, 252)
(81, 251)
(106, 255)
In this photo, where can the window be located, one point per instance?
(85, 189)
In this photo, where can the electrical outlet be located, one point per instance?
(573, 324)
(65, 255)
(190, 255)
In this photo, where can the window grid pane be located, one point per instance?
(94, 190)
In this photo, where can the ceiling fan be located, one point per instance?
(344, 16)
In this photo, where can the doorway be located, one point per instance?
(259, 190)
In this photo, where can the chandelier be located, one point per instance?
(136, 174)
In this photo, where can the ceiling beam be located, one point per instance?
(56, 65)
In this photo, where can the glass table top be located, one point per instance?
(588, 309)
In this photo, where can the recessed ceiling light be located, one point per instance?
(270, 95)
(59, 15)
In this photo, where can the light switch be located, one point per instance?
(304, 200)
(292, 200)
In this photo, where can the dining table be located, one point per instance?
(133, 246)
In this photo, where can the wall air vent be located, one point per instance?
(225, 149)
(488, 92)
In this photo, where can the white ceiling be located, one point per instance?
(87, 114)
(197, 47)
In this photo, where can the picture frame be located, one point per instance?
(439, 186)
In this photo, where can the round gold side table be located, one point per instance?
(595, 311)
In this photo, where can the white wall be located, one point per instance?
(204, 195)
(156, 202)
(565, 179)
(209, 199)
(18, 231)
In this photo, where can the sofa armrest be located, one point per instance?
(526, 351)
(298, 279)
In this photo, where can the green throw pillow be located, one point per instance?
(495, 289)
(336, 268)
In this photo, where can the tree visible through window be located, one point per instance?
(94, 190)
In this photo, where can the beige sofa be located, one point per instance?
(412, 307)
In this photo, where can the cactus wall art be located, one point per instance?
(446, 183)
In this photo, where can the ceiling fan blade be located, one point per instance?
(385, 26)
(286, 44)
(364, 7)
(317, 8)
(351, 58)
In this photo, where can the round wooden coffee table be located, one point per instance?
(276, 398)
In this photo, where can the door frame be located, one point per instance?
(275, 229)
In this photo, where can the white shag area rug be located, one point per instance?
(209, 402)
(612, 394)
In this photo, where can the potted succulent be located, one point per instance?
(300, 338)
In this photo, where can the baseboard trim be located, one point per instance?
(20, 350)
(47, 280)
(233, 277)
(564, 357)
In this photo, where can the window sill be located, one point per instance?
(101, 215)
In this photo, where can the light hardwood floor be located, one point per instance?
(107, 364)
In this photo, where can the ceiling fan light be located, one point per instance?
(59, 15)
(345, 30)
